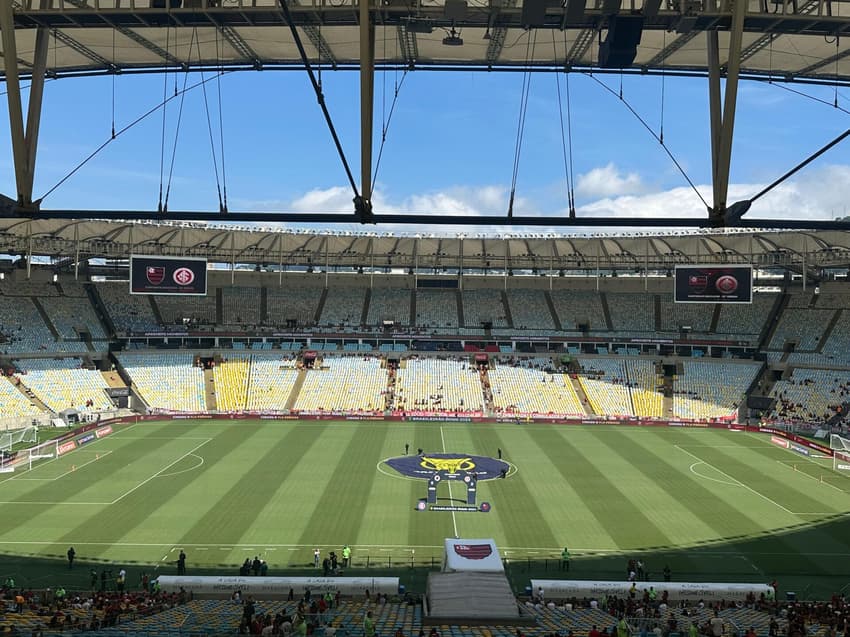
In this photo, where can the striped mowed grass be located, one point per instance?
(712, 504)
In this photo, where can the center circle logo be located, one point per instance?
(425, 466)
(183, 276)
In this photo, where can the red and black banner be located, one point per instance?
(168, 275)
(713, 284)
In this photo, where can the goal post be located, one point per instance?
(9, 439)
(840, 452)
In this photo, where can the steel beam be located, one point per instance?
(715, 110)
(580, 46)
(240, 45)
(13, 95)
(407, 46)
(674, 46)
(319, 43)
(42, 39)
(367, 99)
(730, 98)
(824, 63)
(808, 8)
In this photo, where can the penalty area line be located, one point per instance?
(160, 472)
(737, 482)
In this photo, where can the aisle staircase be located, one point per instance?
(296, 388)
(585, 403)
(209, 390)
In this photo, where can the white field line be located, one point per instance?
(65, 503)
(88, 446)
(163, 470)
(698, 474)
(451, 497)
(738, 482)
(554, 550)
(819, 480)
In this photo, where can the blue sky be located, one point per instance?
(449, 148)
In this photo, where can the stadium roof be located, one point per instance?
(526, 251)
(785, 40)
(782, 38)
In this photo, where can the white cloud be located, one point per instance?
(817, 194)
(608, 181)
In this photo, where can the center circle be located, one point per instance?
(449, 465)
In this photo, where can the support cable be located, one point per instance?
(654, 135)
(811, 97)
(179, 119)
(162, 135)
(563, 136)
(570, 148)
(523, 110)
(801, 165)
(663, 86)
(209, 128)
(120, 132)
(113, 85)
(386, 127)
(219, 73)
(320, 97)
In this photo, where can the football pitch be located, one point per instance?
(714, 505)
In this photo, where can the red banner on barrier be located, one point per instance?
(65, 447)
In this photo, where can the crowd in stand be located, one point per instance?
(58, 611)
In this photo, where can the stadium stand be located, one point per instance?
(19, 286)
(344, 383)
(835, 351)
(298, 304)
(644, 381)
(177, 310)
(575, 307)
(343, 306)
(389, 304)
(809, 396)
(711, 390)
(273, 377)
(436, 308)
(800, 300)
(529, 309)
(677, 315)
(63, 384)
(167, 381)
(240, 305)
(483, 305)
(525, 390)
(632, 312)
(128, 312)
(13, 403)
(746, 319)
(25, 330)
(71, 316)
(605, 383)
(805, 327)
(231, 376)
(438, 384)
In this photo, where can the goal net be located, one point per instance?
(25, 458)
(840, 452)
(11, 438)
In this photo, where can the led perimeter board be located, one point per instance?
(168, 275)
(713, 284)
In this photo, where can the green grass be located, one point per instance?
(714, 505)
